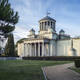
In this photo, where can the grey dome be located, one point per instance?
(61, 30)
(47, 18)
(32, 30)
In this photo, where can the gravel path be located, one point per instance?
(61, 72)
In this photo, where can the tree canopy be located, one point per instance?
(8, 18)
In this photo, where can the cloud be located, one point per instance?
(66, 13)
(20, 32)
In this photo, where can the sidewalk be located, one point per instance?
(61, 72)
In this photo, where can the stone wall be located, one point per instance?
(64, 47)
(20, 49)
(57, 48)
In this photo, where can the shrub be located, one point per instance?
(77, 63)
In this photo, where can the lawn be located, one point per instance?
(75, 69)
(24, 69)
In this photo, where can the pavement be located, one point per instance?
(61, 72)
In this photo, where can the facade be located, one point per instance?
(48, 42)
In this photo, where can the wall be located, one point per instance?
(20, 49)
(64, 47)
(52, 47)
(76, 45)
(59, 48)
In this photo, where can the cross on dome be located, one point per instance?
(48, 13)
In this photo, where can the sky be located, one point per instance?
(65, 12)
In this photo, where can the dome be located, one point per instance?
(62, 30)
(32, 30)
(47, 18)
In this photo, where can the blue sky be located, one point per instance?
(66, 13)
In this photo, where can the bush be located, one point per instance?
(56, 58)
(77, 63)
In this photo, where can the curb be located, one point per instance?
(44, 74)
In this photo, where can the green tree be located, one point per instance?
(8, 18)
(10, 48)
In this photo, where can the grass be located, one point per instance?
(75, 69)
(24, 69)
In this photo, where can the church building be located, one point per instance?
(48, 42)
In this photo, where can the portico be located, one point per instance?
(39, 47)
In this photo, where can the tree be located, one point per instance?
(8, 18)
(10, 48)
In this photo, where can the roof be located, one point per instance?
(32, 30)
(48, 18)
(61, 30)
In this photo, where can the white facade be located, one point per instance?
(48, 42)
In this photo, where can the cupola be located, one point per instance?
(32, 32)
(61, 32)
(47, 22)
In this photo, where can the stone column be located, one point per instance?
(38, 49)
(53, 25)
(27, 50)
(35, 49)
(24, 50)
(48, 50)
(43, 49)
(30, 49)
(42, 26)
(47, 25)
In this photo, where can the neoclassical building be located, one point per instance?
(48, 42)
